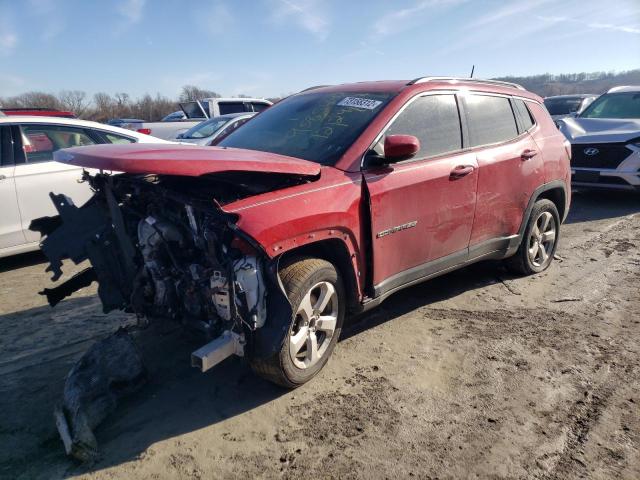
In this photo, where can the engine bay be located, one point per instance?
(159, 252)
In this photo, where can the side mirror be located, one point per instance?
(180, 135)
(400, 147)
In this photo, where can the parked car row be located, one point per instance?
(195, 112)
(561, 106)
(28, 171)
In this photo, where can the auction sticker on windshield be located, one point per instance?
(359, 103)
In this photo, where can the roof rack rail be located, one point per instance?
(461, 79)
(313, 88)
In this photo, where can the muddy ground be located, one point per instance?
(473, 375)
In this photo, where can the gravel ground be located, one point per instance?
(476, 374)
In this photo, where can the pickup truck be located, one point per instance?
(326, 203)
(197, 111)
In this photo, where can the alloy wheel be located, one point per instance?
(542, 239)
(314, 325)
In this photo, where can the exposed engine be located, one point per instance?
(159, 252)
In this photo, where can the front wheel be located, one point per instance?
(317, 297)
(539, 242)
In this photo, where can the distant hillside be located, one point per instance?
(595, 82)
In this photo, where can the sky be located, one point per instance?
(275, 47)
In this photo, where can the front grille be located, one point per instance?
(609, 155)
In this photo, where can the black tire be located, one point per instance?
(521, 263)
(298, 278)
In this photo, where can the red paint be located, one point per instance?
(185, 160)
(457, 201)
(37, 112)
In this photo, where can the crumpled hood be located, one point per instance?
(191, 161)
(599, 130)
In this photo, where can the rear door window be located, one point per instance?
(489, 120)
(432, 119)
(6, 147)
(113, 138)
(523, 115)
(40, 141)
(231, 107)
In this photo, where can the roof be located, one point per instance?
(74, 122)
(429, 83)
(626, 88)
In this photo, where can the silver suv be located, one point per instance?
(605, 141)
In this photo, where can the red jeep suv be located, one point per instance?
(326, 203)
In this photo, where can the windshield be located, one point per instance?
(205, 129)
(318, 127)
(562, 106)
(614, 105)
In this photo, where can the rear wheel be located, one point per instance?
(539, 241)
(317, 297)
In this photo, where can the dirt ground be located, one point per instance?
(473, 375)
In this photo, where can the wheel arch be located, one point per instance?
(558, 196)
(555, 191)
(336, 252)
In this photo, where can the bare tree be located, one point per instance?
(74, 100)
(191, 92)
(32, 100)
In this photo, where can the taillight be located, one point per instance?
(146, 131)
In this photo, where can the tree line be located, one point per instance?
(567, 83)
(103, 106)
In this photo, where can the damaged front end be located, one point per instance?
(161, 247)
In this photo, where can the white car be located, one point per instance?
(28, 172)
(215, 129)
(605, 141)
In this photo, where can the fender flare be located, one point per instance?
(554, 184)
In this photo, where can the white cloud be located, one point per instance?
(590, 25)
(309, 15)
(406, 18)
(508, 11)
(52, 22)
(8, 42)
(131, 10)
(215, 20)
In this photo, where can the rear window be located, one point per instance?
(231, 107)
(562, 106)
(113, 138)
(317, 126)
(490, 120)
(259, 107)
(523, 115)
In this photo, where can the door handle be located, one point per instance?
(2, 177)
(460, 171)
(528, 154)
